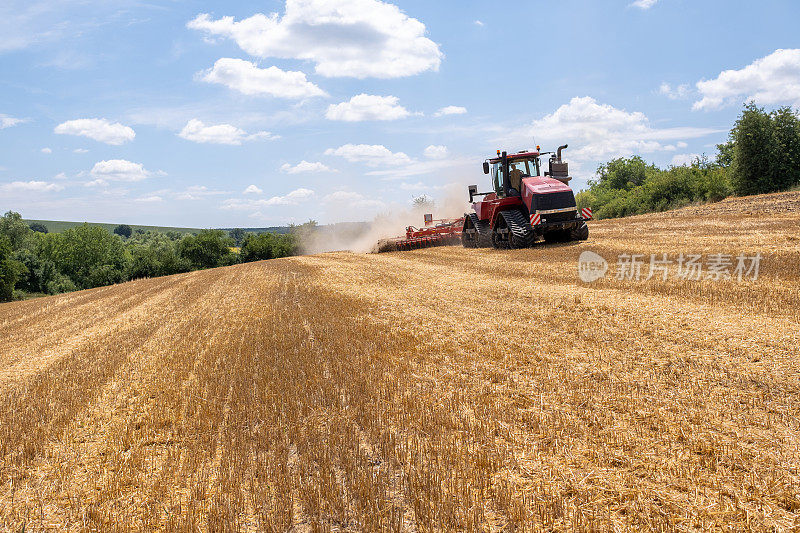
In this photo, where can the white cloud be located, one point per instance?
(117, 170)
(247, 78)
(304, 167)
(8, 121)
(294, 197)
(479, 23)
(451, 110)
(198, 132)
(774, 79)
(683, 159)
(597, 131)
(352, 200)
(367, 107)
(678, 92)
(435, 152)
(350, 38)
(30, 186)
(252, 189)
(152, 199)
(372, 154)
(98, 129)
(644, 4)
(46, 150)
(80, 151)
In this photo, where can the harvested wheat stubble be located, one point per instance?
(441, 389)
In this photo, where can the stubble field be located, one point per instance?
(440, 389)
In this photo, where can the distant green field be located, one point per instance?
(57, 226)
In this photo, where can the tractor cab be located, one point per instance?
(520, 165)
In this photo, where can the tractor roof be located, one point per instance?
(519, 155)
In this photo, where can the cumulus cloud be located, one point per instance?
(247, 78)
(46, 150)
(644, 4)
(118, 170)
(774, 79)
(372, 154)
(99, 129)
(435, 152)
(8, 121)
(678, 92)
(351, 38)
(198, 132)
(252, 189)
(479, 23)
(305, 167)
(30, 186)
(451, 110)
(367, 107)
(597, 131)
(294, 197)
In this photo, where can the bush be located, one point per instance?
(206, 249)
(123, 230)
(88, 255)
(257, 247)
(39, 272)
(10, 270)
(38, 227)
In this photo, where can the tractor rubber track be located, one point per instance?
(484, 233)
(519, 227)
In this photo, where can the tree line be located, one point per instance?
(761, 155)
(33, 261)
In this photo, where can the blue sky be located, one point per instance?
(250, 113)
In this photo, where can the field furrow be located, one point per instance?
(440, 389)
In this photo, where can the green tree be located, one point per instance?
(237, 234)
(624, 173)
(257, 247)
(88, 255)
(38, 227)
(725, 153)
(10, 270)
(154, 254)
(207, 249)
(13, 227)
(754, 153)
(786, 148)
(123, 230)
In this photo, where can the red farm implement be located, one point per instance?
(441, 232)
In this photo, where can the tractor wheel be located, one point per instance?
(580, 234)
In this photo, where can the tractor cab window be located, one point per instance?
(497, 178)
(526, 167)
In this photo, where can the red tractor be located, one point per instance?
(525, 205)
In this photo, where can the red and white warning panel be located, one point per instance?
(535, 219)
(586, 213)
